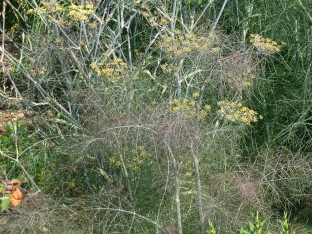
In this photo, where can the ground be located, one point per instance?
(8, 116)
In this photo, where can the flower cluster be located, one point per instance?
(156, 18)
(80, 13)
(241, 80)
(112, 70)
(47, 6)
(168, 68)
(114, 160)
(65, 15)
(239, 70)
(236, 112)
(186, 108)
(181, 45)
(265, 45)
(134, 158)
(187, 167)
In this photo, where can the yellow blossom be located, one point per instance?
(236, 112)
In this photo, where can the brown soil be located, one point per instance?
(9, 116)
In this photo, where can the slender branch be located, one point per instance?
(305, 10)
(44, 93)
(218, 18)
(199, 193)
(177, 188)
(201, 14)
(236, 12)
(40, 13)
(103, 22)
(23, 168)
(16, 11)
(173, 17)
(3, 33)
(29, 177)
(126, 24)
(149, 46)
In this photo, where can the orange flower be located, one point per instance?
(16, 197)
(11, 187)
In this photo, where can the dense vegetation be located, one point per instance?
(156, 116)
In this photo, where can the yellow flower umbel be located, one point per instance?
(240, 80)
(236, 112)
(181, 45)
(114, 161)
(186, 108)
(80, 13)
(47, 7)
(52, 9)
(112, 70)
(157, 17)
(65, 15)
(265, 45)
(135, 159)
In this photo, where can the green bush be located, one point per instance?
(146, 117)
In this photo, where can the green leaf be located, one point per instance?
(307, 232)
(5, 201)
(242, 231)
(263, 222)
(251, 226)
